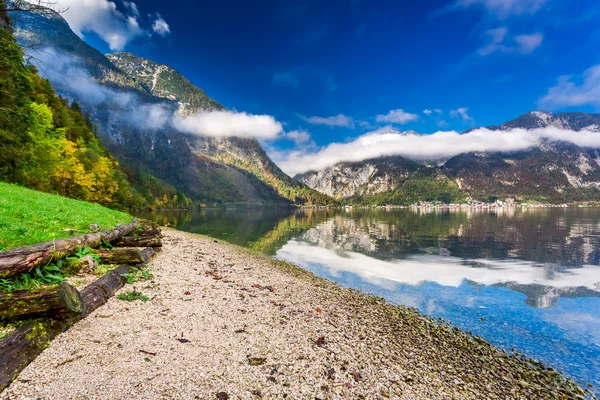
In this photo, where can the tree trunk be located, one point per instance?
(22, 304)
(24, 259)
(125, 256)
(23, 345)
(140, 241)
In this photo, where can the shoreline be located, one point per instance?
(221, 318)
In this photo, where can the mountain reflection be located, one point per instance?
(545, 254)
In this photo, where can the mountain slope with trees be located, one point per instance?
(48, 144)
(207, 170)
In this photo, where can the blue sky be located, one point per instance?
(335, 70)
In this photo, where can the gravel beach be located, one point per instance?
(223, 323)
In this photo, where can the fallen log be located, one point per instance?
(22, 304)
(150, 232)
(24, 344)
(24, 259)
(139, 241)
(97, 294)
(125, 256)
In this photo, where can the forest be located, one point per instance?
(48, 144)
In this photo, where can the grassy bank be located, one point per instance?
(28, 216)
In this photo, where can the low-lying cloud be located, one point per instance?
(439, 145)
(69, 75)
(228, 123)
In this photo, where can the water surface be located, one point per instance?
(524, 279)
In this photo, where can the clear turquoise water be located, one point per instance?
(527, 280)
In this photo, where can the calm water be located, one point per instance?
(523, 279)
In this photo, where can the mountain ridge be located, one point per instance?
(553, 171)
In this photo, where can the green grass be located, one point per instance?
(29, 217)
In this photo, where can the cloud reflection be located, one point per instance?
(447, 271)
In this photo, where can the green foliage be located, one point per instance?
(416, 189)
(28, 216)
(48, 275)
(132, 295)
(48, 145)
(138, 275)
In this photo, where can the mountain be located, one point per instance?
(576, 121)
(123, 100)
(163, 81)
(553, 171)
(362, 178)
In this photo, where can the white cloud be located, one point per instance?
(462, 114)
(228, 123)
(69, 76)
(398, 116)
(286, 78)
(386, 142)
(569, 93)
(132, 7)
(503, 8)
(427, 112)
(160, 26)
(437, 110)
(528, 43)
(103, 18)
(340, 120)
(298, 136)
(500, 41)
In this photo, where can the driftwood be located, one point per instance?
(24, 259)
(139, 241)
(24, 344)
(22, 304)
(125, 256)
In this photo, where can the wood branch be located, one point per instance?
(139, 241)
(23, 345)
(21, 304)
(24, 259)
(125, 256)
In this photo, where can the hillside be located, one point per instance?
(553, 171)
(49, 144)
(29, 217)
(208, 170)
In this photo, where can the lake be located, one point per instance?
(524, 279)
